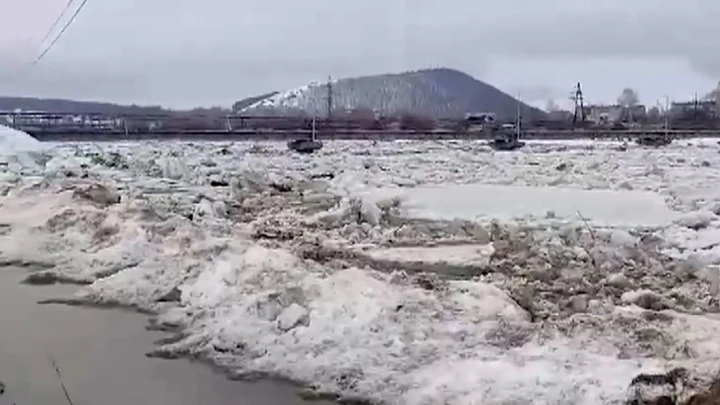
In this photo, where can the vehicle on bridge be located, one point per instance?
(507, 137)
(306, 146)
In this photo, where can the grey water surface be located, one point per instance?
(101, 356)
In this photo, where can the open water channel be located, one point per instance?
(101, 356)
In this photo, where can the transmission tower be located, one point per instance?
(579, 110)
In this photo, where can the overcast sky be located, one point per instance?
(183, 53)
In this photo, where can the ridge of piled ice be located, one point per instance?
(13, 141)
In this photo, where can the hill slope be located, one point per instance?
(246, 102)
(439, 93)
(72, 106)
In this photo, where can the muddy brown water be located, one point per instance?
(101, 356)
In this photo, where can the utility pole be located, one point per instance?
(667, 117)
(329, 98)
(517, 119)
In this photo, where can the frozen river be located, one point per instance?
(414, 273)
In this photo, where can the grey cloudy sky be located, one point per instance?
(184, 53)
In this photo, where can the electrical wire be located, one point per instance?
(57, 20)
(60, 34)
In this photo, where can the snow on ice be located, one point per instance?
(13, 141)
(407, 272)
(469, 201)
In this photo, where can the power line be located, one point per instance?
(60, 34)
(57, 20)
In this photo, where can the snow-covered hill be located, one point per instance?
(440, 93)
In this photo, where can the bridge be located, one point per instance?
(379, 135)
(87, 127)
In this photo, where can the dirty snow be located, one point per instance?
(307, 267)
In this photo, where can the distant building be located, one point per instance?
(20, 117)
(635, 113)
(100, 123)
(480, 117)
(477, 121)
(684, 108)
(603, 114)
(560, 115)
(614, 113)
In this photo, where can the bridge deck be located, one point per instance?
(56, 135)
